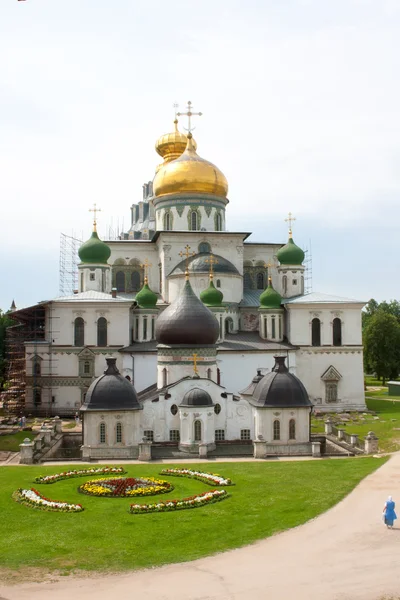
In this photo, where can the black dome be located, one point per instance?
(111, 391)
(187, 321)
(197, 397)
(198, 264)
(280, 389)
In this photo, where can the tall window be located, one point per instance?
(193, 220)
(102, 437)
(337, 332)
(145, 328)
(197, 431)
(86, 367)
(280, 327)
(79, 332)
(247, 281)
(153, 322)
(218, 376)
(260, 281)
(37, 396)
(36, 367)
(315, 332)
(292, 429)
(218, 283)
(205, 247)
(167, 221)
(218, 222)
(120, 281)
(277, 430)
(273, 328)
(135, 281)
(164, 377)
(118, 433)
(102, 331)
(331, 391)
(208, 373)
(284, 284)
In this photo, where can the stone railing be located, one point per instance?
(44, 439)
(369, 445)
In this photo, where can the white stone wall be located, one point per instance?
(301, 315)
(141, 368)
(291, 280)
(264, 424)
(130, 428)
(95, 278)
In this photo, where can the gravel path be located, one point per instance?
(345, 554)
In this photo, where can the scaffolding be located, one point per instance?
(69, 259)
(308, 285)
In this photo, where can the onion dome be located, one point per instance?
(94, 251)
(290, 254)
(111, 391)
(280, 389)
(145, 297)
(190, 174)
(187, 321)
(171, 145)
(270, 297)
(200, 263)
(211, 296)
(196, 397)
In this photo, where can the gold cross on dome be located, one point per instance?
(189, 114)
(94, 210)
(195, 357)
(290, 220)
(269, 265)
(187, 254)
(145, 267)
(211, 261)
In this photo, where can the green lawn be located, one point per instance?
(370, 380)
(10, 443)
(267, 498)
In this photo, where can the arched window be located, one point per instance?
(37, 369)
(228, 325)
(164, 377)
(337, 332)
(197, 431)
(86, 367)
(277, 430)
(218, 222)
(218, 283)
(218, 376)
(118, 433)
(193, 220)
(37, 396)
(79, 332)
(260, 281)
(315, 332)
(284, 284)
(292, 429)
(120, 281)
(247, 281)
(102, 437)
(102, 331)
(135, 281)
(167, 221)
(205, 247)
(208, 373)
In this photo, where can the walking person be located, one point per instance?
(389, 514)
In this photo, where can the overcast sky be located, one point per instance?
(300, 102)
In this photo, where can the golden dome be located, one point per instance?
(171, 145)
(190, 173)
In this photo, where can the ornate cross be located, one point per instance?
(187, 254)
(189, 114)
(269, 266)
(211, 261)
(290, 220)
(145, 267)
(195, 357)
(94, 210)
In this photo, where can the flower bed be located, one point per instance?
(125, 486)
(210, 478)
(171, 505)
(34, 499)
(80, 473)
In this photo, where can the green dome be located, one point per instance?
(94, 251)
(290, 254)
(211, 296)
(146, 298)
(270, 298)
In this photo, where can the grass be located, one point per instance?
(385, 428)
(267, 498)
(370, 380)
(11, 442)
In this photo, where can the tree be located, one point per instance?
(382, 344)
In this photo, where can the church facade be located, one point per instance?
(254, 292)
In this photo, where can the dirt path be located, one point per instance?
(345, 554)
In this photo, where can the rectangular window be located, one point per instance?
(153, 321)
(82, 282)
(280, 327)
(244, 434)
(174, 435)
(265, 327)
(102, 436)
(331, 392)
(136, 328)
(149, 434)
(219, 435)
(273, 328)
(145, 328)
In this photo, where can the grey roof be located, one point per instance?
(318, 298)
(251, 298)
(250, 340)
(92, 297)
(196, 397)
(111, 391)
(198, 264)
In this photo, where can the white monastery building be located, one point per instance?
(210, 335)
